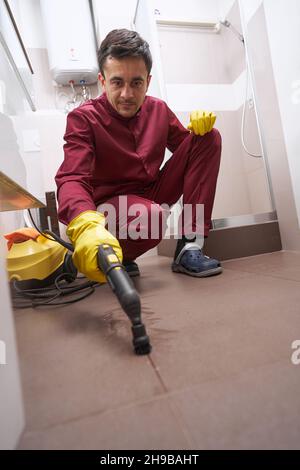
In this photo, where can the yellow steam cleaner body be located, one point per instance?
(36, 263)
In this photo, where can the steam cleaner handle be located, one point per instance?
(120, 282)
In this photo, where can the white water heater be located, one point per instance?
(70, 41)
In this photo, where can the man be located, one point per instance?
(115, 145)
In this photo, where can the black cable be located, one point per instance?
(67, 245)
(36, 227)
(25, 298)
(54, 236)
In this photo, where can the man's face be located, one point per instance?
(125, 82)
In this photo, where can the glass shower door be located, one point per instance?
(211, 75)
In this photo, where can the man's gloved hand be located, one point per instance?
(87, 232)
(201, 122)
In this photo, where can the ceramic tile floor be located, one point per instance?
(220, 375)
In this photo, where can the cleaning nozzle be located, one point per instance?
(127, 296)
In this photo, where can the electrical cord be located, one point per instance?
(30, 298)
(55, 237)
(36, 227)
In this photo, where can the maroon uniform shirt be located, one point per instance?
(108, 155)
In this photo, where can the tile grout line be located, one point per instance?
(156, 371)
(261, 274)
(173, 407)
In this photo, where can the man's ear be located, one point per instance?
(148, 80)
(101, 79)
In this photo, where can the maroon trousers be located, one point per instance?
(192, 171)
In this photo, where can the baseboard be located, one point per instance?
(235, 242)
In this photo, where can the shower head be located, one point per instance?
(228, 25)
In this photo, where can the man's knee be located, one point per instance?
(211, 140)
(214, 138)
(211, 144)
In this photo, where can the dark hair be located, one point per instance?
(124, 43)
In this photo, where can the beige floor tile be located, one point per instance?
(216, 327)
(79, 359)
(148, 426)
(282, 264)
(259, 409)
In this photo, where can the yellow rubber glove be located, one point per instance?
(86, 232)
(201, 122)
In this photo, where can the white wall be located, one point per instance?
(12, 107)
(283, 25)
(250, 7)
(119, 14)
(31, 24)
(113, 15)
(228, 97)
(11, 404)
(224, 7)
(194, 10)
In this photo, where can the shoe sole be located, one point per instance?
(210, 272)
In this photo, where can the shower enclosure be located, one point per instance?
(204, 62)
